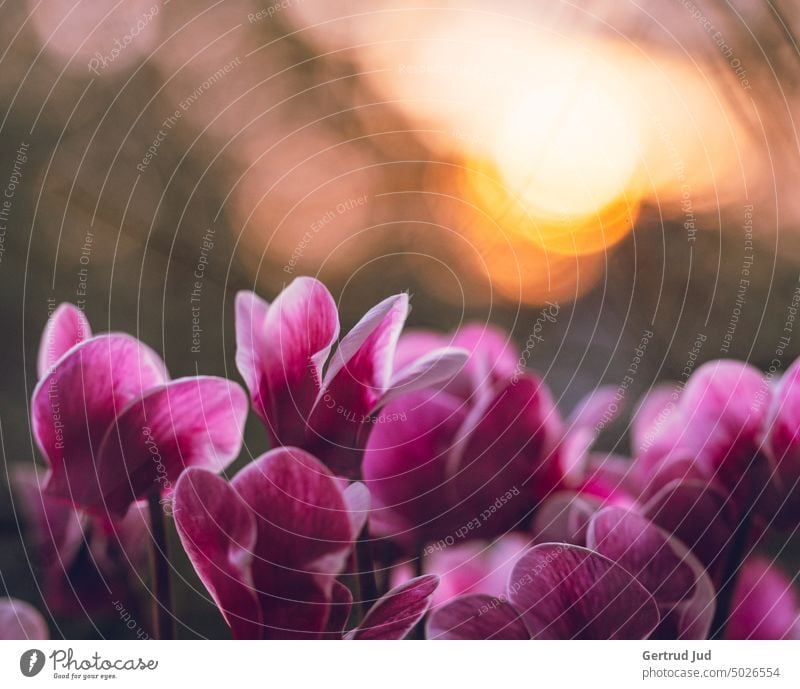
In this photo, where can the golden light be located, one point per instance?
(570, 146)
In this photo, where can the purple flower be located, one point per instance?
(111, 424)
(270, 544)
(20, 621)
(282, 350)
(471, 460)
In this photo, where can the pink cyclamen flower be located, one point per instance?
(733, 428)
(111, 424)
(270, 544)
(471, 460)
(282, 350)
(585, 590)
(20, 621)
(85, 560)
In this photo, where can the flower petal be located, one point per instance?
(357, 377)
(304, 537)
(281, 350)
(568, 592)
(432, 368)
(74, 405)
(784, 445)
(476, 617)
(341, 604)
(394, 615)
(700, 516)
(405, 465)
(218, 533)
(644, 550)
(20, 621)
(66, 327)
(188, 422)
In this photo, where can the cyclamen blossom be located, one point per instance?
(270, 544)
(474, 459)
(629, 580)
(327, 403)
(111, 424)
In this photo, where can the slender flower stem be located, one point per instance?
(163, 619)
(365, 565)
(730, 577)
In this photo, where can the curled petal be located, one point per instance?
(341, 605)
(567, 592)
(75, 404)
(476, 617)
(358, 375)
(394, 615)
(191, 422)
(218, 532)
(429, 370)
(66, 327)
(358, 503)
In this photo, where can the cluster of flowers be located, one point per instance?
(394, 449)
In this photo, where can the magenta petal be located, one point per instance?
(784, 445)
(251, 337)
(341, 605)
(20, 621)
(218, 533)
(281, 350)
(394, 615)
(644, 550)
(405, 464)
(74, 405)
(429, 370)
(691, 619)
(304, 537)
(191, 422)
(493, 355)
(699, 515)
(765, 604)
(66, 327)
(476, 617)
(567, 592)
(358, 375)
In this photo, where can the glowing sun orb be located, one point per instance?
(570, 146)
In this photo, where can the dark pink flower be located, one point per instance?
(469, 461)
(282, 350)
(731, 428)
(113, 427)
(269, 545)
(555, 591)
(20, 621)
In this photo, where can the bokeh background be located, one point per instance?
(630, 167)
